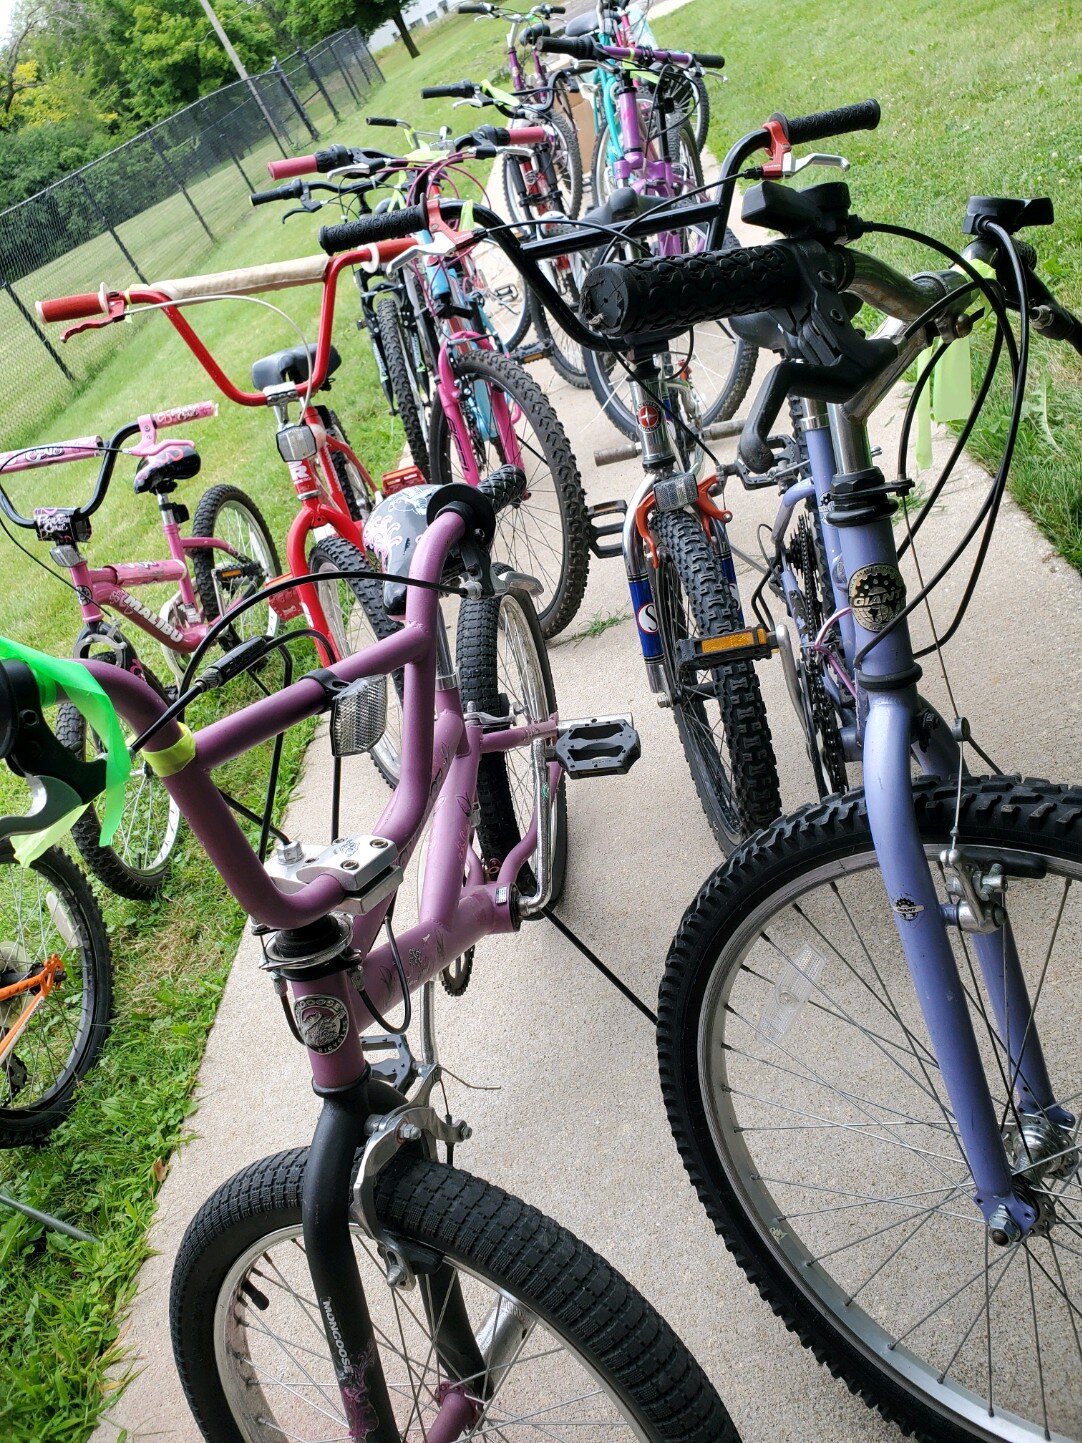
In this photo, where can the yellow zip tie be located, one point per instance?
(171, 760)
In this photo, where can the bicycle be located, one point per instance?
(657, 160)
(332, 484)
(474, 1311)
(852, 1059)
(485, 411)
(229, 554)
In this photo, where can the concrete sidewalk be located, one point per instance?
(577, 1126)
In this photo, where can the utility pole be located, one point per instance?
(238, 65)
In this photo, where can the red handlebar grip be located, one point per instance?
(71, 308)
(295, 165)
(526, 134)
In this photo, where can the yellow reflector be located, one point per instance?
(736, 639)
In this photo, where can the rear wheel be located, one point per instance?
(546, 534)
(50, 927)
(359, 497)
(504, 672)
(719, 714)
(356, 618)
(563, 1337)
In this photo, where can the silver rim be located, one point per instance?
(236, 525)
(519, 677)
(272, 1358)
(352, 631)
(831, 1123)
(148, 829)
(36, 922)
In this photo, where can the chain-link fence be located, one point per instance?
(151, 209)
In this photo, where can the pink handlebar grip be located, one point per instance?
(52, 454)
(72, 308)
(198, 411)
(295, 165)
(527, 134)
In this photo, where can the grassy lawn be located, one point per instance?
(983, 98)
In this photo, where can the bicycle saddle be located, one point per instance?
(176, 461)
(622, 204)
(292, 365)
(581, 25)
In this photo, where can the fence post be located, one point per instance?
(224, 133)
(344, 69)
(319, 83)
(160, 153)
(125, 252)
(29, 319)
(294, 98)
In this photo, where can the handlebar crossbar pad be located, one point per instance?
(371, 229)
(802, 129)
(670, 293)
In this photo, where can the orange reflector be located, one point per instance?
(756, 636)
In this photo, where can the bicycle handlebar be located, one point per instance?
(292, 190)
(73, 308)
(461, 90)
(293, 165)
(370, 229)
(802, 129)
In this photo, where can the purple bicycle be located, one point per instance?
(362, 1288)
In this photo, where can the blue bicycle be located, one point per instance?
(867, 1039)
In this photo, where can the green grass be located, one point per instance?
(982, 97)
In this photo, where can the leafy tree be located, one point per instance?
(321, 17)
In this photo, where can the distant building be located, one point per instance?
(416, 14)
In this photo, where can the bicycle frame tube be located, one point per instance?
(887, 679)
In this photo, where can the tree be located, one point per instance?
(320, 17)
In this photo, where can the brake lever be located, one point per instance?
(306, 206)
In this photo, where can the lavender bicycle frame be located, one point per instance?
(889, 739)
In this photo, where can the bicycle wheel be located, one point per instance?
(356, 619)
(408, 381)
(359, 499)
(222, 579)
(595, 1360)
(136, 862)
(720, 714)
(566, 274)
(565, 179)
(504, 670)
(503, 298)
(808, 1108)
(49, 920)
(821, 729)
(545, 535)
(718, 367)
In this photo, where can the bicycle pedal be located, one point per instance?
(392, 481)
(600, 746)
(751, 643)
(526, 355)
(600, 529)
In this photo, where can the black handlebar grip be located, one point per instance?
(504, 486)
(369, 229)
(461, 90)
(534, 33)
(471, 10)
(292, 191)
(669, 293)
(710, 62)
(381, 120)
(801, 129)
(579, 47)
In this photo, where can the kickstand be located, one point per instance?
(606, 972)
(46, 1219)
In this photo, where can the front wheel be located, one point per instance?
(564, 1338)
(409, 383)
(719, 713)
(809, 1109)
(508, 421)
(50, 1034)
(223, 578)
(504, 672)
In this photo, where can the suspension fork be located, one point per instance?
(887, 676)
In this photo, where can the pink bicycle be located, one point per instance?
(228, 556)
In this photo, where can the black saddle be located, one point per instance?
(581, 25)
(293, 365)
(159, 474)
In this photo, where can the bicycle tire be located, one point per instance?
(711, 968)
(56, 876)
(403, 383)
(138, 875)
(549, 464)
(728, 373)
(567, 169)
(748, 796)
(334, 553)
(212, 504)
(359, 500)
(495, 1241)
(504, 797)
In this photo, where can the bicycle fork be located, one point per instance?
(887, 677)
